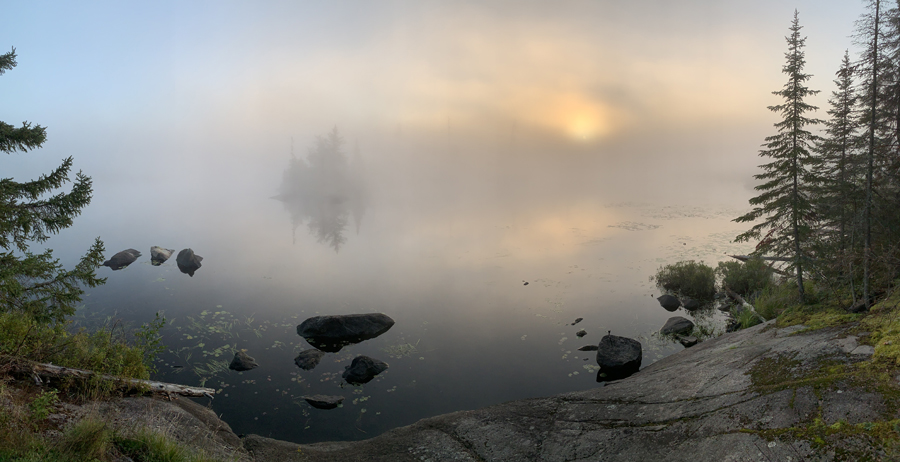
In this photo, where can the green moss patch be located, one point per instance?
(816, 317)
(879, 438)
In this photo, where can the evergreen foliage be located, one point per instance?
(36, 284)
(785, 202)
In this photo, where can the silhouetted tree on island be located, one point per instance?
(785, 202)
(324, 189)
(36, 284)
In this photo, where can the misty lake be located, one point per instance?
(469, 331)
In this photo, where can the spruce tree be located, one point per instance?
(839, 172)
(36, 284)
(784, 202)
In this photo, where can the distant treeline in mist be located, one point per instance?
(325, 190)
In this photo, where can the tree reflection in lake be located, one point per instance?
(324, 190)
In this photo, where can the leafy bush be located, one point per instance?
(688, 278)
(42, 404)
(745, 278)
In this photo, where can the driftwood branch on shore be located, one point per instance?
(745, 258)
(38, 370)
(736, 297)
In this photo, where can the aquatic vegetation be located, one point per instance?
(688, 278)
(401, 351)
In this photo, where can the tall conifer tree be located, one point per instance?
(840, 172)
(36, 284)
(784, 202)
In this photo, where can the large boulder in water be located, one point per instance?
(677, 325)
(188, 261)
(309, 359)
(669, 302)
(331, 333)
(242, 362)
(159, 255)
(618, 357)
(363, 369)
(122, 259)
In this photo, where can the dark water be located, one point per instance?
(469, 333)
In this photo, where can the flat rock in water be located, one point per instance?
(688, 341)
(577, 320)
(669, 302)
(363, 369)
(159, 255)
(242, 362)
(677, 325)
(588, 348)
(122, 259)
(331, 333)
(324, 401)
(309, 359)
(581, 333)
(188, 262)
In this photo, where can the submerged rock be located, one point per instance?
(581, 333)
(309, 359)
(159, 255)
(122, 259)
(588, 348)
(324, 401)
(677, 325)
(331, 333)
(688, 341)
(577, 320)
(242, 362)
(691, 304)
(363, 369)
(669, 302)
(188, 262)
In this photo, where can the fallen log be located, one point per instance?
(38, 370)
(745, 258)
(736, 297)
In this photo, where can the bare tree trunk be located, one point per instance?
(870, 161)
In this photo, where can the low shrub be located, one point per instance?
(746, 278)
(687, 278)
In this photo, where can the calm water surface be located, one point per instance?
(469, 333)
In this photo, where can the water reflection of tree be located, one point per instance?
(324, 190)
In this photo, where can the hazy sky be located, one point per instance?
(191, 104)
